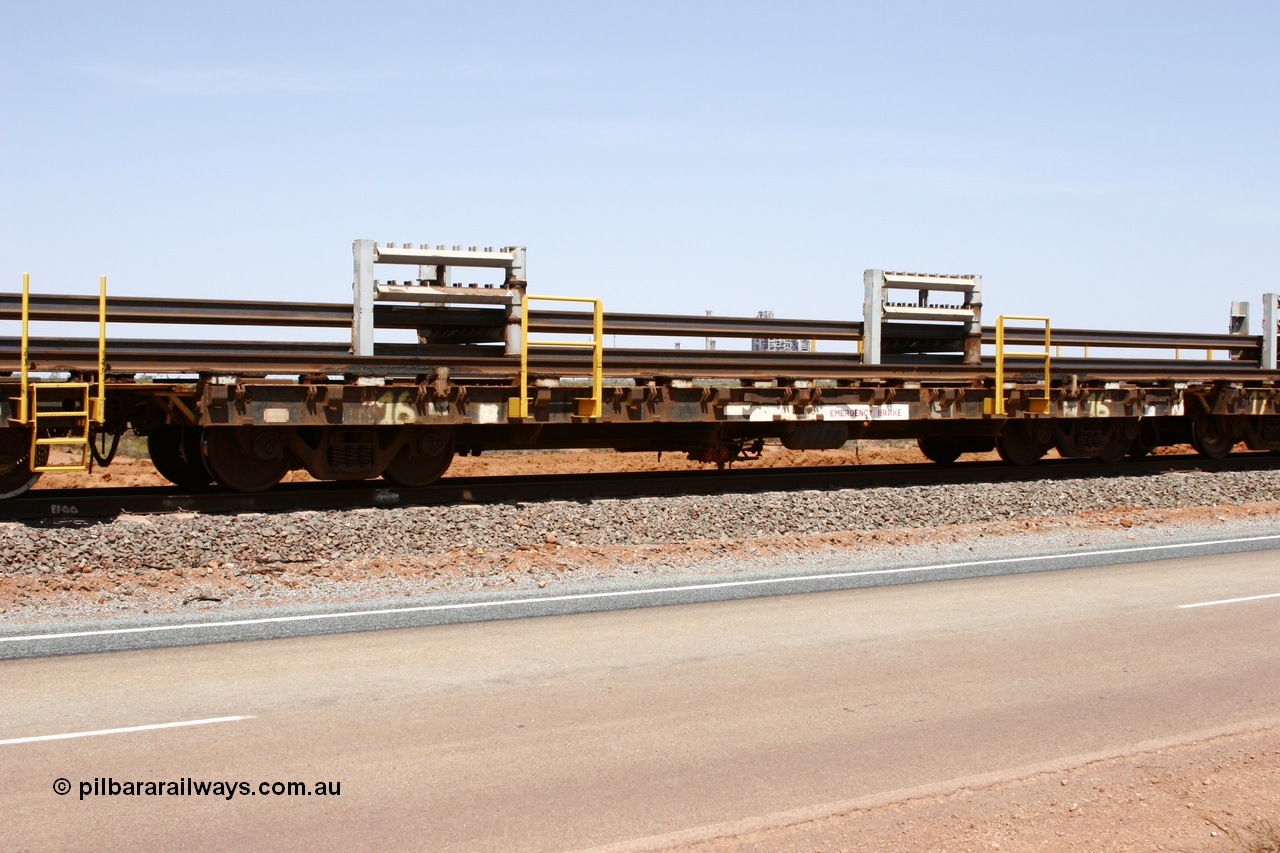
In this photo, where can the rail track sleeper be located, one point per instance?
(78, 506)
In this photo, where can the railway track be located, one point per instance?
(64, 506)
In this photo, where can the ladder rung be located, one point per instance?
(72, 440)
(61, 414)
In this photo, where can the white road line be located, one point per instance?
(126, 730)
(624, 593)
(1229, 600)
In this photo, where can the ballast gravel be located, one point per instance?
(183, 541)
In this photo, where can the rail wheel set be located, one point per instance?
(492, 367)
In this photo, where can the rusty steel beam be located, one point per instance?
(460, 324)
(214, 312)
(1119, 339)
(225, 312)
(695, 326)
(258, 357)
(287, 358)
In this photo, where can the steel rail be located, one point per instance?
(213, 312)
(1121, 339)
(678, 325)
(290, 358)
(44, 506)
(228, 312)
(221, 312)
(249, 357)
(750, 327)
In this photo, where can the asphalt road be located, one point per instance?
(601, 728)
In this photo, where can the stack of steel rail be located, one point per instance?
(194, 356)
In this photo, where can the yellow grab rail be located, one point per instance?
(1040, 405)
(588, 407)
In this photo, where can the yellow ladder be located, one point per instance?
(85, 411)
(588, 407)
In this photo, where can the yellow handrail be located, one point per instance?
(588, 407)
(1042, 406)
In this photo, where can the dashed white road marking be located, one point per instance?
(125, 730)
(1229, 600)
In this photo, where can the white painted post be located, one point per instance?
(1270, 317)
(1239, 325)
(872, 315)
(517, 280)
(362, 292)
(973, 328)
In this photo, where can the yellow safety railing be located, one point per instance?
(588, 407)
(1040, 405)
(76, 422)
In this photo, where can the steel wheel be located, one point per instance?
(423, 459)
(944, 451)
(176, 453)
(1148, 439)
(245, 459)
(1018, 444)
(1211, 438)
(1117, 447)
(15, 471)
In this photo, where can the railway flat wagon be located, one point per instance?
(490, 367)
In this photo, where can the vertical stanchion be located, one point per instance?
(524, 358)
(23, 412)
(597, 363)
(100, 407)
(999, 406)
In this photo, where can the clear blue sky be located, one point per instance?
(1111, 164)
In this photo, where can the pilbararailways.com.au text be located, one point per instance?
(188, 787)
